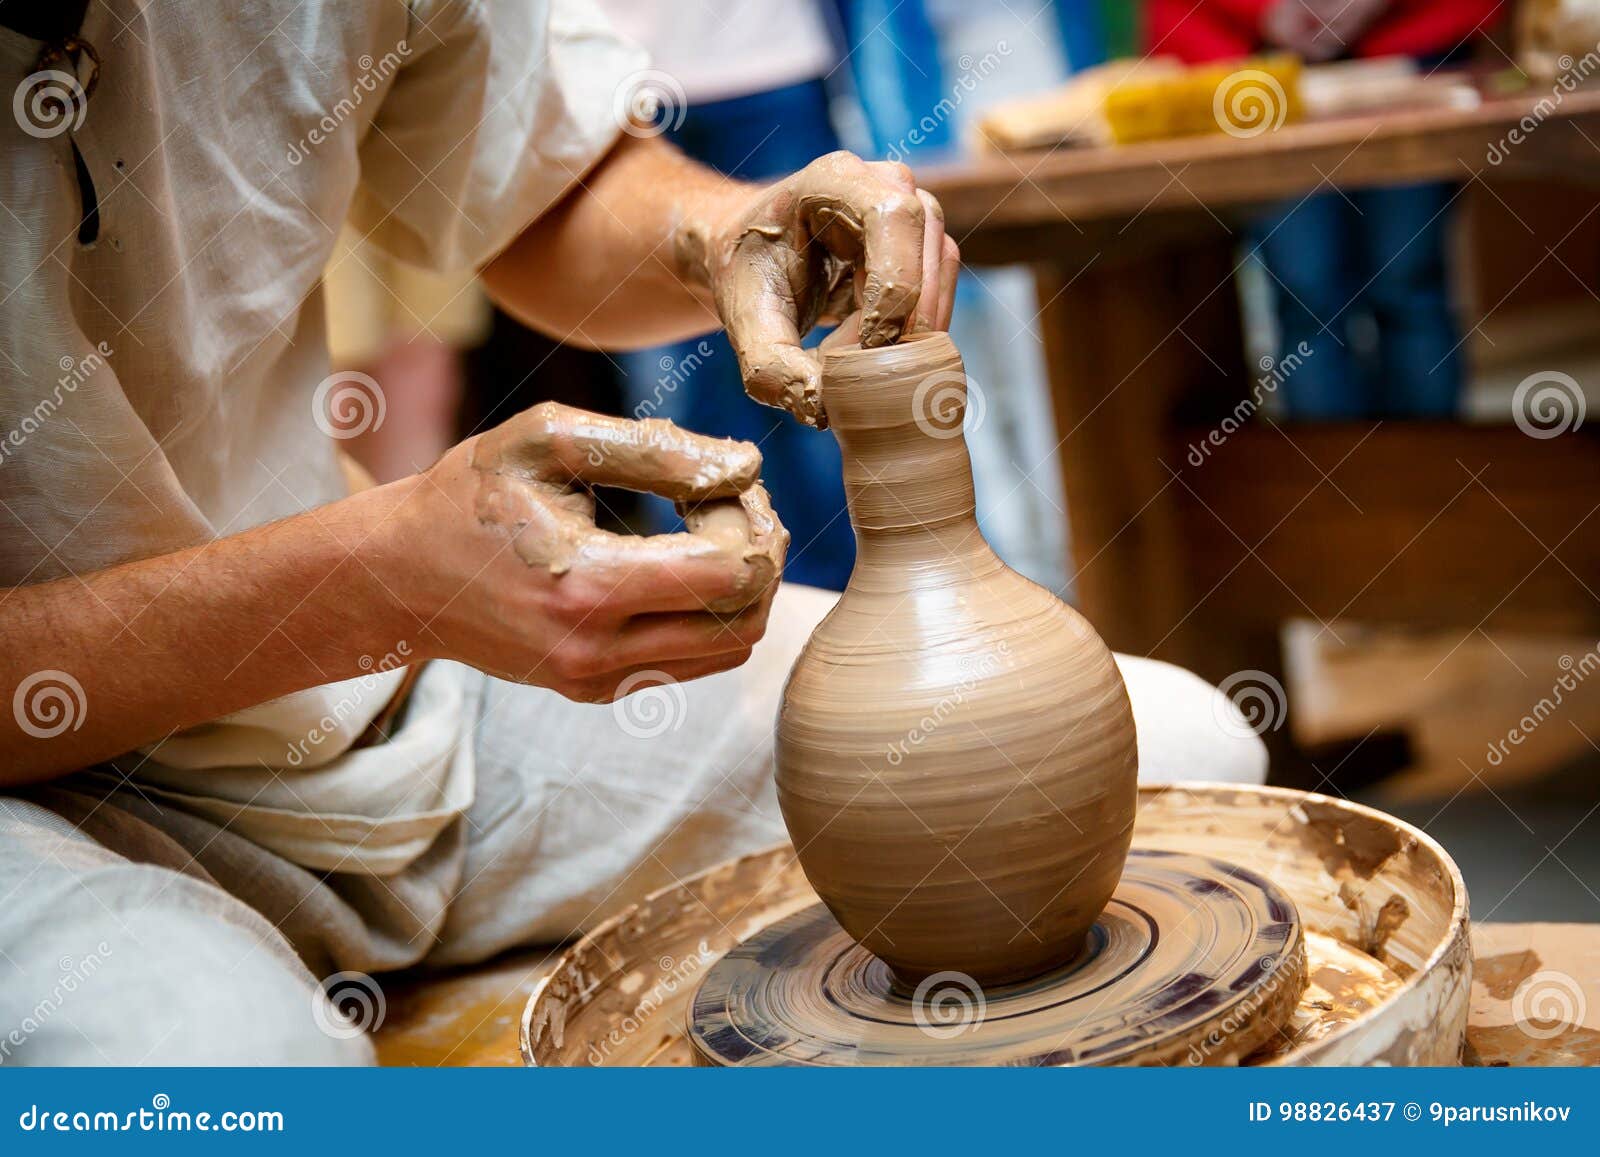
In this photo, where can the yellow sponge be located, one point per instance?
(1241, 98)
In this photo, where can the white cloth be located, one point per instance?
(159, 387)
(718, 49)
(110, 962)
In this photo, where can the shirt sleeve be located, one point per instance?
(501, 106)
(1198, 33)
(1425, 27)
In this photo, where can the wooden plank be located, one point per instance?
(466, 1017)
(1432, 525)
(1082, 185)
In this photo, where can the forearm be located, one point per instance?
(607, 268)
(179, 639)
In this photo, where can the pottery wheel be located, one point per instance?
(1194, 961)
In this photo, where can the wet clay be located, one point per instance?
(1343, 985)
(535, 473)
(955, 749)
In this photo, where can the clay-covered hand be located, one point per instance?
(1319, 29)
(840, 236)
(520, 582)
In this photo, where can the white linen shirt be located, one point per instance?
(159, 385)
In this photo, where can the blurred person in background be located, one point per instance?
(740, 88)
(404, 329)
(1362, 278)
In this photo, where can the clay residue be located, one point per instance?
(1508, 1045)
(1343, 985)
(1347, 844)
(1502, 975)
(536, 472)
(620, 995)
(1394, 913)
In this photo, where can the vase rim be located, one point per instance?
(884, 385)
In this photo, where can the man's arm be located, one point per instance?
(491, 558)
(653, 247)
(599, 269)
(178, 639)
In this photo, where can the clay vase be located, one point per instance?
(955, 750)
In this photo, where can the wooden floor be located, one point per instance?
(1455, 693)
(464, 1018)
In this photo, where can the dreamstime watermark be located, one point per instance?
(972, 73)
(1572, 76)
(1251, 703)
(948, 1004)
(1576, 671)
(674, 373)
(74, 973)
(374, 73)
(49, 703)
(348, 1005)
(1248, 103)
(332, 723)
(1548, 404)
(160, 1117)
(49, 103)
(676, 974)
(948, 404)
(1274, 372)
(947, 706)
(74, 372)
(1277, 970)
(648, 704)
(648, 103)
(347, 404)
(1548, 1004)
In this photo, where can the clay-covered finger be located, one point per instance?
(848, 333)
(929, 301)
(895, 173)
(949, 276)
(759, 309)
(561, 445)
(878, 221)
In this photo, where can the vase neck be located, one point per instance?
(898, 413)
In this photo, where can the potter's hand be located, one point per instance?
(840, 235)
(524, 585)
(1319, 29)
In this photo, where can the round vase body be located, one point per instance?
(956, 758)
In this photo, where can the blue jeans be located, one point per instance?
(1377, 254)
(756, 137)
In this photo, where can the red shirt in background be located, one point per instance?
(1222, 29)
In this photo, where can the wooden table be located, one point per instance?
(471, 1017)
(1134, 250)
